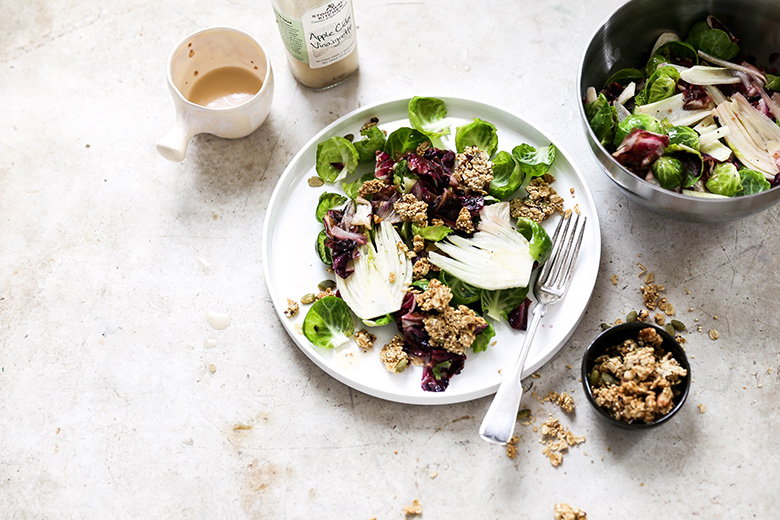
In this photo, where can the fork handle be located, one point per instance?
(499, 422)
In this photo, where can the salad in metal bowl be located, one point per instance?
(434, 242)
(699, 118)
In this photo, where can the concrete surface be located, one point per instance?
(111, 258)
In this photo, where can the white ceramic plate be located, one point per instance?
(292, 267)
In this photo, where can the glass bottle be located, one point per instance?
(320, 39)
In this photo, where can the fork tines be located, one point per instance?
(556, 272)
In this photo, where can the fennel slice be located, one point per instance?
(382, 275)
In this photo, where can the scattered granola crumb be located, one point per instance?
(511, 447)
(393, 355)
(642, 269)
(473, 170)
(577, 209)
(292, 308)
(702, 408)
(714, 334)
(536, 375)
(650, 294)
(370, 124)
(557, 439)
(212, 367)
(571, 190)
(659, 318)
(564, 511)
(642, 315)
(364, 339)
(299, 328)
(569, 367)
(415, 509)
(434, 474)
(322, 294)
(613, 279)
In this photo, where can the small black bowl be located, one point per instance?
(616, 335)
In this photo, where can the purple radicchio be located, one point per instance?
(343, 238)
(384, 167)
(640, 149)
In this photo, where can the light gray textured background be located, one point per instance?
(106, 407)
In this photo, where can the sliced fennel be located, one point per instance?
(754, 138)
(381, 277)
(496, 257)
(672, 110)
(703, 75)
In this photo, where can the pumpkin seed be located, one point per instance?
(608, 379)
(308, 298)
(401, 366)
(594, 377)
(669, 328)
(631, 317)
(678, 325)
(605, 326)
(326, 284)
(349, 137)
(524, 413)
(315, 182)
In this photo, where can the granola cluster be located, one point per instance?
(393, 355)
(450, 328)
(412, 210)
(542, 200)
(473, 170)
(564, 511)
(634, 381)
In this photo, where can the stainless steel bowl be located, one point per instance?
(626, 38)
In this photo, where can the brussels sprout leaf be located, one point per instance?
(428, 115)
(725, 180)
(507, 175)
(479, 133)
(715, 43)
(534, 162)
(327, 202)
(328, 324)
(374, 141)
(336, 158)
(482, 341)
(752, 181)
(539, 243)
(404, 140)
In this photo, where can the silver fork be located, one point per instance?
(499, 422)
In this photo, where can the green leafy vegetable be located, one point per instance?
(678, 52)
(479, 133)
(352, 188)
(380, 322)
(602, 118)
(691, 160)
(336, 158)
(653, 63)
(715, 43)
(725, 180)
(482, 341)
(462, 293)
(752, 181)
(327, 202)
(374, 141)
(323, 251)
(772, 83)
(507, 175)
(697, 29)
(683, 135)
(667, 76)
(641, 121)
(534, 162)
(668, 171)
(625, 76)
(431, 233)
(539, 243)
(404, 140)
(498, 304)
(428, 115)
(328, 324)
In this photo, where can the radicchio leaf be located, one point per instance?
(640, 149)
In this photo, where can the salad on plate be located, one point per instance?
(438, 239)
(699, 118)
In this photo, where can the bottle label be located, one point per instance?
(292, 36)
(329, 33)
